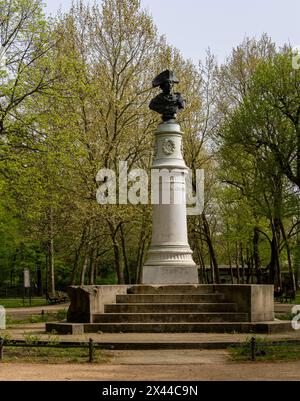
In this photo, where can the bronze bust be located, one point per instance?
(167, 103)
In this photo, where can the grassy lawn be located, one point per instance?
(18, 302)
(34, 318)
(52, 355)
(266, 351)
(295, 302)
(32, 353)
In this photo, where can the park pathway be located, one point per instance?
(20, 313)
(128, 366)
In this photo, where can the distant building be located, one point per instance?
(225, 275)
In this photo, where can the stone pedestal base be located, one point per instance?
(170, 275)
(170, 308)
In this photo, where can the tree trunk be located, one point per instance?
(144, 236)
(84, 267)
(118, 263)
(249, 258)
(117, 253)
(230, 264)
(212, 254)
(229, 253)
(93, 263)
(51, 265)
(247, 264)
(139, 272)
(127, 273)
(297, 259)
(274, 265)
(237, 263)
(77, 255)
(288, 252)
(242, 263)
(46, 271)
(200, 259)
(75, 267)
(139, 255)
(212, 273)
(39, 281)
(205, 271)
(256, 256)
(50, 251)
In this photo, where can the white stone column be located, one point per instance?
(170, 256)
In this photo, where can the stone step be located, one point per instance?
(169, 317)
(172, 289)
(170, 308)
(169, 298)
(123, 342)
(202, 327)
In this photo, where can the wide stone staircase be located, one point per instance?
(171, 308)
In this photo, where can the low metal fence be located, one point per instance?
(91, 346)
(255, 347)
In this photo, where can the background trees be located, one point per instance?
(74, 99)
(262, 130)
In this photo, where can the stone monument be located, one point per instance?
(170, 300)
(170, 256)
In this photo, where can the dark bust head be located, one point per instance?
(165, 80)
(166, 103)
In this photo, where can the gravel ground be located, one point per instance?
(152, 364)
(155, 366)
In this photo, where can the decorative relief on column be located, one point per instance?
(168, 147)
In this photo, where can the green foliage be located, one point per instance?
(38, 318)
(265, 351)
(61, 315)
(18, 302)
(75, 100)
(31, 339)
(40, 355)
(90, 112)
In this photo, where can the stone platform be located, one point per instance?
(170, 309)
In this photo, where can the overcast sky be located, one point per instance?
(194, 25)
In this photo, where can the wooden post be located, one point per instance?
(1, 348)
(253, 349)
(91, 350)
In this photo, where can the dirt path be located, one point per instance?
(36, 310)
(155, 365)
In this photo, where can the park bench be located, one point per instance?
(285, 294)
(278, 293)
(288, 294)
(57, 297)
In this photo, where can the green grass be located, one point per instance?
(296, 301)
(55, 355)
(286, 316)
(18, 302)
(265, 351)
(47, 317)
(52, 355)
